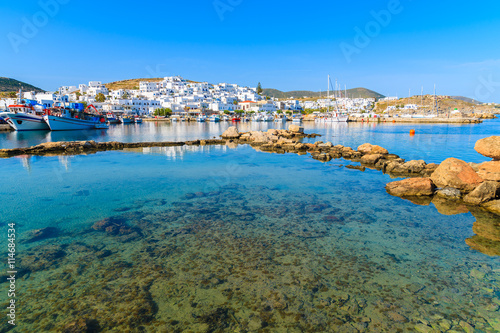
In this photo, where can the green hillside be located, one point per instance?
(351, 93)
(7, 85)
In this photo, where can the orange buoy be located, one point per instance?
(412, 132)
(393, 121)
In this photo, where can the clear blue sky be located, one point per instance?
(287, 45)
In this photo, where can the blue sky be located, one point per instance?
(285, 45)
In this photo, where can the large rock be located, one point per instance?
(259, 137)
(489, 171)
(231, 133)
(296, 129)
(485, 192)
(368, 148)
(489, 147)
(371, 158)
(411, 187)
(414, 166)
(456, 173)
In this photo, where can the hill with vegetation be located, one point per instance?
(428, 103)
(305, 94)
(8, 85)
(129, 84)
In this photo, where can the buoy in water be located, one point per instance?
(393, 121)
(412, 132)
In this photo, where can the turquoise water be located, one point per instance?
(220, 239)
(433, 142)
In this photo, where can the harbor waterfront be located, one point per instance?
(209, 238)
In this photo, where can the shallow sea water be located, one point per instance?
(219, 239)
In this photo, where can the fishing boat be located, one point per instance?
(66, 119)
(201, 118)
(112, 118)
(214, 118)
(235, 119)
(297, 120)
(25, 117)
(127, 119)
(138, 120)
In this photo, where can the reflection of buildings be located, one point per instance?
(26, 162)
(177, 152)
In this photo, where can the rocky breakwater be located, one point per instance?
(274, 140)
(455, 180)
(89, 147)
(457, 187)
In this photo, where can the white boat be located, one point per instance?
(267, 117)
(296, 120)
(201, 118)
(24, 117)
(70, 120)
(257, 118)
(214, 118)
(333, 118)
(138, 120)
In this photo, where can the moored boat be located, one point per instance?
(24, 116)
(214, 118)
(65, 119)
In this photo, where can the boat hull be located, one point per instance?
(25, 122)
(71, 124)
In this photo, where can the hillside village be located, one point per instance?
(181, 96)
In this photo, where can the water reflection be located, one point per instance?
(432, 143)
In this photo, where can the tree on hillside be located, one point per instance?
(259, 88)
(100, 98)
(12, 94)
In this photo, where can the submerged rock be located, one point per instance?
(411, 187)
(493, 206)
(449, 207)
(489, 147)
(456, 173)
(44, 233)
